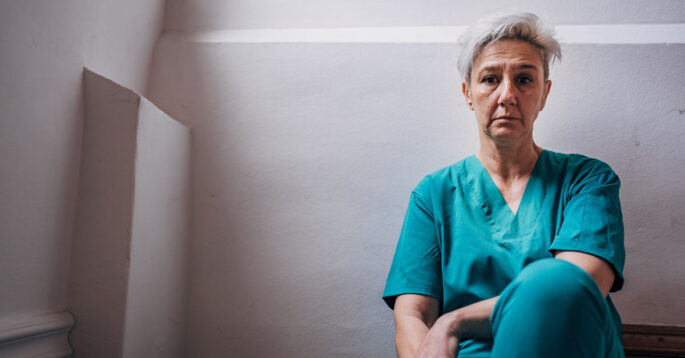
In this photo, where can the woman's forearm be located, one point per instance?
(472, 321)
(443, 337)
(409, 334)
(419, 334)
(414, 316)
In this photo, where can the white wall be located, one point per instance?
(303, 158)
(185, 15)
(305, 152)
(127, 269)
(43, 48)
(155, 317)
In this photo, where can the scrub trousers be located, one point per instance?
(554, 308)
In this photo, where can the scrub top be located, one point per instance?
(461, 243)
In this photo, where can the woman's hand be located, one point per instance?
(441, 340)
(472, 321)
(421, 334)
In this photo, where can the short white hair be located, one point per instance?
(519, 26)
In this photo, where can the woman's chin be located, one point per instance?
(504, 134)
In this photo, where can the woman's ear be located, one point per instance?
(548, 87)
(467, 94)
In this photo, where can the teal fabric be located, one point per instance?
(461, 243)
(554, 309)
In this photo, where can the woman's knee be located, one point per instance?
(553, 288)
(551, 299)
(555, 279)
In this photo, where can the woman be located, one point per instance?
(511, 252)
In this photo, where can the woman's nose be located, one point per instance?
(507, 95)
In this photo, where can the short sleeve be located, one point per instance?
(592, 221)
(416, 266)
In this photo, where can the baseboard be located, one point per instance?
(641, 340)
(36, 336)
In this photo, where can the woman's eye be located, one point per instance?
(525, 80)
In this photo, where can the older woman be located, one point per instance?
(511, 252)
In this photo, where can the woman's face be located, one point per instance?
(507, 90)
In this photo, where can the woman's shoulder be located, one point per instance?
(577, 161)
(437, 190)
(579, 168)
(444, 179)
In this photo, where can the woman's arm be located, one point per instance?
(599, 269)
(472, 321)
(414, 316)
(419, 334)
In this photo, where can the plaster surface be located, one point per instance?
(43, 48)
(155, 317)
(305, 155)
(127, 277)
(192, 15)
(101, 246)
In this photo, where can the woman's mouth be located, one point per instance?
(506, 118)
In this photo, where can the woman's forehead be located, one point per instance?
(512, 53)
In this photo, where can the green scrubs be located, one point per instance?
(461, 243)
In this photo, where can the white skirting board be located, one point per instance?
(44, 336)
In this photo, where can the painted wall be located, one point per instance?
(43, 48)
(305, 152)
(155, 316)
(185, 15)
(127, 269)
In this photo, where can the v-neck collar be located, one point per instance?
(495, 209)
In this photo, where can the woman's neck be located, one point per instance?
(507, 163)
